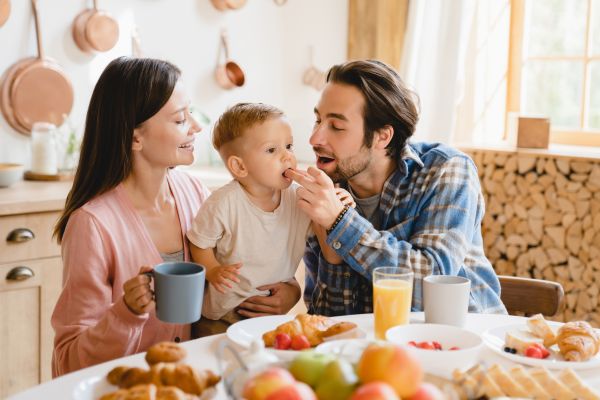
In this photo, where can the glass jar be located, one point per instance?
(44, 158)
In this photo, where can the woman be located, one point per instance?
(127, 210)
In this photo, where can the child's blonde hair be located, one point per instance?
(239, 118)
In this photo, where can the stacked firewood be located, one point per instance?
(542, 221)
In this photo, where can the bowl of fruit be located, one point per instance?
(383, 371)
(439, 348)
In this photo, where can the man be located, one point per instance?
(418, 205)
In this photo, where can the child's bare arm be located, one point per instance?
(220, 276)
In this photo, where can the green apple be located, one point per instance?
(337, 382)
(309, 365)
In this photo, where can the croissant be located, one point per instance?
(149, 392)
(577, 341)
(182, 376)
(315, 327)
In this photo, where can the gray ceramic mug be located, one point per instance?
(178, 291)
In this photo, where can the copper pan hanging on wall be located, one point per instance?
(228, 74)
(35, 89)
(95, 30)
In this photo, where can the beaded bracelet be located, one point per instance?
(338, 219)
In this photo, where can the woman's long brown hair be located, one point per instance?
(129, 92)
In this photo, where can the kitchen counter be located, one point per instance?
(37, 196)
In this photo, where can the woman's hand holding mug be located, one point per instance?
(138, 294)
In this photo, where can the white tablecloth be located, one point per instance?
(202, 355)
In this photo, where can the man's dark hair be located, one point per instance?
(387, 100)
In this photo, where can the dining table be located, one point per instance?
(203, 353)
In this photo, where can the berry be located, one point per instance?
(507, 349)
(412, 343)
(545, 352)
(282, 341)
(454, 348)
(300, 342)
(533, 352)
(513, 351)
(426, 345)
(437, 345)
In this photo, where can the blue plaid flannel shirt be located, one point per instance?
(432, 207)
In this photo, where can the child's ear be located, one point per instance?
(136, 143)
(383, 137)
(237, 167)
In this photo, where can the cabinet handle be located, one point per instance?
(19, 274)
(20, 235)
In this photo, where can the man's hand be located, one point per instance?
(345, 197)
(221, 276)
(284, 296)
(317, 197)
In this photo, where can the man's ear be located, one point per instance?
(383, 137)
(136, 143)
(237, 167)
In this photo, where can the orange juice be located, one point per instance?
(391, 304)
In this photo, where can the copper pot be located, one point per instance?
(35, 89)
(95, 30)
(228, 74)
(4, 11)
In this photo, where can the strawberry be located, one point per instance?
(426, 345)
(454, 348)
(544, 350)
(282, 341)
(412, 343)
(300, 342)
(533, 352)
(437, 345)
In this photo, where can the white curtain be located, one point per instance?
(433, 62)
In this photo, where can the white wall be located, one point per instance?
(271, 43)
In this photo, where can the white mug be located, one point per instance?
(446, 299)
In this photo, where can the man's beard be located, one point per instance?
(350, 167)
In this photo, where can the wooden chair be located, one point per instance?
(531, 296)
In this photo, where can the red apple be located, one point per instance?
(295, 391)
(427, 391)
(393, 365)
(268, 381)
(375, 391)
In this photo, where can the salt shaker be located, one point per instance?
(44, 159)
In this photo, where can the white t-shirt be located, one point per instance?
(269, 245)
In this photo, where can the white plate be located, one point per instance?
(246, 331)
(94, 388)
(494, 339)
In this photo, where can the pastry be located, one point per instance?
(577, 341)
(316, 328)
(509, 386)
(521, 340)
(571, 380)
(553, 386)
(166, 352)
(182, 376)
(149, 392)
(540, 328)
(534, 389)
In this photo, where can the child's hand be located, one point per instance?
(221, 276)
(345, 197)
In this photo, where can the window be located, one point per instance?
(554, 66)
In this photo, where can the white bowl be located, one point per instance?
(439, 362)
(10, 173)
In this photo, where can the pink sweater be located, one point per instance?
(104, 245)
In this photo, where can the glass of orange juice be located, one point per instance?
(392, 297)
